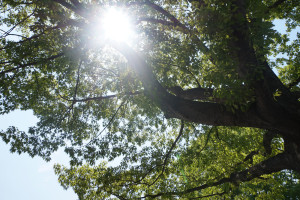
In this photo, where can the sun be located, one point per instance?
(117, 25)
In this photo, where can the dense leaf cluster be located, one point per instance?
(121, 116)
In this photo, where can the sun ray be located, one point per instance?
(116, 25)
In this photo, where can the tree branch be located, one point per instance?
(207, 139)
(165, 13)
(267, 140)
(12, 34)
(296, 94)
(169, 153)
(118, 196)
(110, 121)
(70, 22)
(176, 23)
(262, 79)
(195, 94)
(294, 83)
(101, 97)
(210, 195)
(276, 4)
(199, 85)
(274, 164)
(11, 29)
(78, 10)
(160, 21)
(192, 111)
(71, 108)
(76, 3)
(32, 63)
(250, 156)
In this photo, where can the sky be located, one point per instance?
(26, 178)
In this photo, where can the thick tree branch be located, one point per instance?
(176, 107)
(274, 164)
(205, 94)
(267, 140)
(276, 4)
(252, 68)
(296, 94)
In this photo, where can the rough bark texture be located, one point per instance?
(259, 115)
(283, 112)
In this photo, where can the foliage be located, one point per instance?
(106, 105)
(210, 156)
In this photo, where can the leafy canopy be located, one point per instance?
(92, 102)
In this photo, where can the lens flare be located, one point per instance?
(117, 25)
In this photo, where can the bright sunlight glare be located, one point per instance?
(117, 25)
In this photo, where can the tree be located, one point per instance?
(193, 109)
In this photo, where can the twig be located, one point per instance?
(71, 108)
(271, 165)
(110, 121)
(100, 97)
(11, 29)
(169, 152)
(33, 63)
(294, 83)
(207, 139)
(210, 195)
